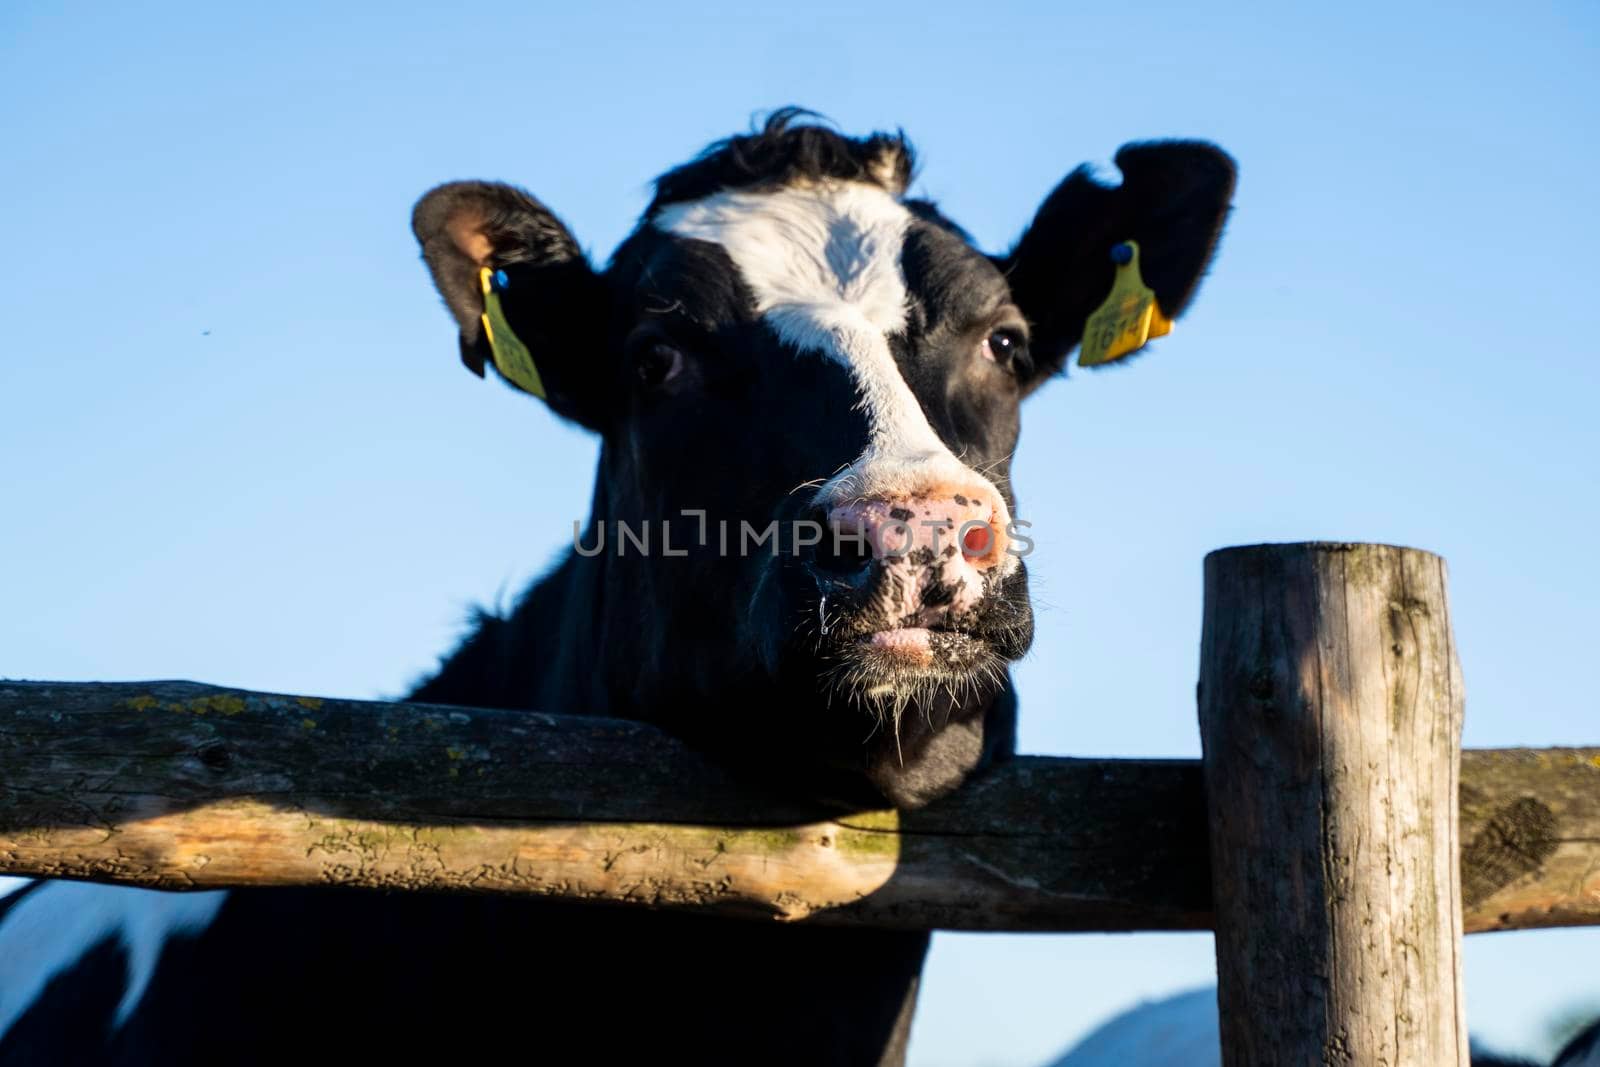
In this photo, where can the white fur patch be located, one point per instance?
(51, 930)
(823, 260)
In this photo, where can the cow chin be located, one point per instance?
(919, 704)
(890, 655)
(889, 673)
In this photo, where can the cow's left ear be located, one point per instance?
(1172, 202)
(523, 294)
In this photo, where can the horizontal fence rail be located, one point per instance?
(184, 786)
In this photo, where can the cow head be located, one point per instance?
(808, 390)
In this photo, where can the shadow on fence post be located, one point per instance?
(1330, 714)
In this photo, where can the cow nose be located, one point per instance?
(950, 525)
(917, 560)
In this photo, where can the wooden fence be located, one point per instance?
(1334, 835)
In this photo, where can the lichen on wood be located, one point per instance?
(185, 786)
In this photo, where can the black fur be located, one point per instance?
(783, 152)
(1583, 1050)
(17, 896)
(70, 1021)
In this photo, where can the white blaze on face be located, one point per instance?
(823, 260)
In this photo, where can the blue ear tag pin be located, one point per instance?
(511, 356)
(1128, 318)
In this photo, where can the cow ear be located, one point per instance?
(544, 303)
(1172, 202)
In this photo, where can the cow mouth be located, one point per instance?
(862, 622)
(873, 646)
(912, 642)
(917, 645)
(906, 661)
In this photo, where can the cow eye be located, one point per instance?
(1004, 347)
(658, 363)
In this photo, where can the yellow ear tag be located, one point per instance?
(1129, 317)
(511, 356)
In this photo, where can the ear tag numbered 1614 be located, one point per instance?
(1128, 318)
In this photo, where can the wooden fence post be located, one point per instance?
(1330, 714)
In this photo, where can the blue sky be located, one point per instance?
(236, 445)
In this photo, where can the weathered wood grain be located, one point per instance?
(1330, 718)
(184, 786)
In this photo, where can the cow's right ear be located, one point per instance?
(521, 290)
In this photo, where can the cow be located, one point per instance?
(790, 349)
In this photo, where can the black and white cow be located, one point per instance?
(785, 337)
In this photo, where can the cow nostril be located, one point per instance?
(976, 540)
(842, 552)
